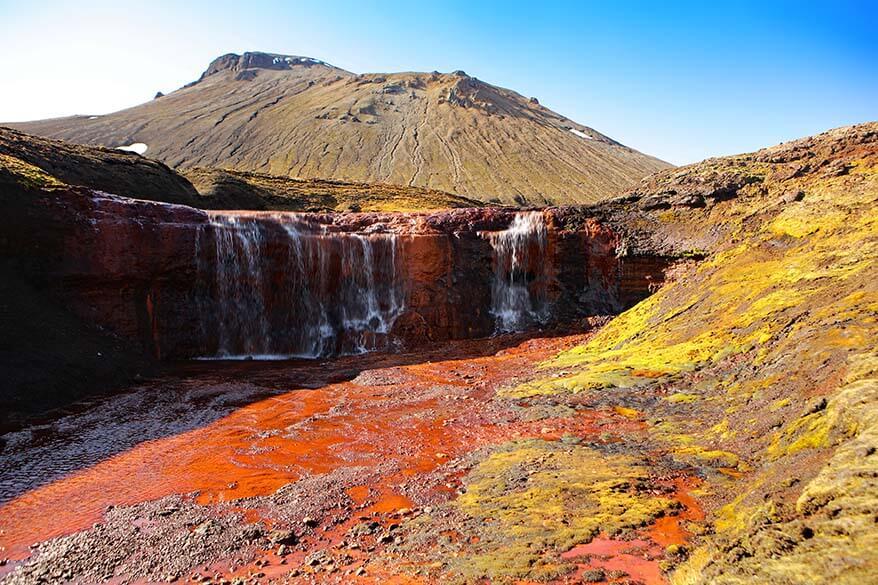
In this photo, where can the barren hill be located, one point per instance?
(32, 160)
(300, 117)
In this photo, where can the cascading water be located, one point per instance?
(328, 293)
(518, 292)
(242, 323)
(350, 290)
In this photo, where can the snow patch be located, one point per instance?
(138, 147)
(581, 134)
(93, 117)
(297, 60)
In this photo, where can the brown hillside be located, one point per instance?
(31, 161)
(299, 117)
(113, 171)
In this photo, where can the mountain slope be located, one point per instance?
(113, 171)
(227, 189)
(295, 116)
(757, 367)
(32, 161)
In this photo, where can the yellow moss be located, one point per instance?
(729, 518)
(808, 432)
(630, 413)
(778, 404)
(26, 174)
(670, 432)
(708, 457)
(735, 517)
(722, 430)
(832, 424)
(668, 215)
(800, 220)
(842, 546)
(682, 397)
(534, 496)
(690, 572)
(846, 477)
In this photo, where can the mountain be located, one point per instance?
(33, 160)
(301, 117)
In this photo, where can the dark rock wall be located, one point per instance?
(137, 268)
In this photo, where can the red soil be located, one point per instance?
(405, 426)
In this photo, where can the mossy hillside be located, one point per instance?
(828, 534)
(528, 501)
(17, 172)
(754, 350)
(741, 299)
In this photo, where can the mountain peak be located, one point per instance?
(259, 60)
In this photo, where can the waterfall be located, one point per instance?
(350, 290)
(242, 323)
(518, 291)
(284, 287)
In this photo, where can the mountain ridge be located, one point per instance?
(301, 117)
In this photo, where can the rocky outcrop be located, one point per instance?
(184, 282)
(259, 60)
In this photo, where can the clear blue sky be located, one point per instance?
(682, 81)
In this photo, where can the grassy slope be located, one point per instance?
(764, 360)
(104, 169)
(38, 162)
(228, 189)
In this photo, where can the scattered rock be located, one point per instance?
(792, 196)
(252, 532)
(283, 537)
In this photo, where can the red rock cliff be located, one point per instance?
(185, 283)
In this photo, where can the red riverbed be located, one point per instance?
(401, 418)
